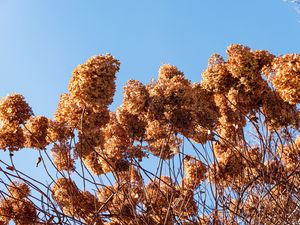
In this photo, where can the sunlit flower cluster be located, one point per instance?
(18, 208)
(35, 132)
(14, 109)
(284, 73)
(62, 157)
(93, 83)
(194, 172)
(68, 196)
(234, 134)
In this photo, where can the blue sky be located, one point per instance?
(41, 42)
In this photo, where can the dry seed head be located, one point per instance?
(135, 97)
(93, 83)
(168, 71)
(14, 109)
(195, 172)
(11, 137)
(35, 132)
(19, 190)
(62, 157)
(286, 77)
(24, 212)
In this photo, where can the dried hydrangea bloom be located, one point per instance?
(134, 125)
(156, 107)
(88, 208)
(168, 95)
(19, 190)
(219, 177)
(79, 116)
(263, 58)
(62, 157)
(194, 171)
(116, 140)
(105, 195)
(285, 77)
(110, 159)
(176, 91)
(159, 216)
(205, 110)
(11, 137)
(157, 201)
(227, 170)
(67, 195)
(162, 141)
(184, 205)
(241, 61)
(6, 211)
(180, 119)
(93, 83)
(199, 134)
(252, 156)
(14, 109)
(162, 148)
(121, 207)
(93, 120)
(135, 97)
(58, 132)
(177, 97)
(232, 162)
(68, 111)
(124, 204)
(242, 101)
(24, 212)
(252, 203)
(131, 177)
(113, 164)
(247, 86)
(85, 145)
(278, 113)
(290, 155)
(93, 136)
(131, 188)
(166, 185)
(92, 163)
(281, 205)
(231, 122)
(216, 78)
(168, 71)
(220, 148)
(273, 171)
(35, 132)
(248, 94)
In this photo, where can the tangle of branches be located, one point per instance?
(225, 150)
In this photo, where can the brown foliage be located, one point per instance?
(227, 148)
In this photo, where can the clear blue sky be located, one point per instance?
(41, 42)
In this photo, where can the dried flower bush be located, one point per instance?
(227, 148)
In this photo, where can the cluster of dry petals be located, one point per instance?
(242, 121)
(17, 207)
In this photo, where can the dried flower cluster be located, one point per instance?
(284, 73)
(14, 111)
(18, 208)
(240, 126)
